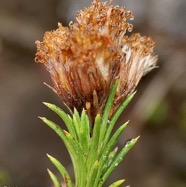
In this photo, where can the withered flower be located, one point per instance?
(85, 59)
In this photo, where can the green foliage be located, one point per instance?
(54, 179)
(117, 183)
(94, 156)
(4, 177)
(62, 171)
(159, 114)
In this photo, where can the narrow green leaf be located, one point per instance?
(77, 116)
(94, 143)
(117, 183)
(54, 179)
(80, 159)
(62, 171)
(72, 147)
(114, 139)
(116, 116)
(109, 103)
(84, 132)
(76, 123)
(118, 159)
(107, 150)
(92, 174)
(107, 111)
(66, 118)
(111, 156)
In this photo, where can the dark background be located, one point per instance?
(157, 113)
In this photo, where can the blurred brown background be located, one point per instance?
(158, 112)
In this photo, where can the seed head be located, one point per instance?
(85, 59)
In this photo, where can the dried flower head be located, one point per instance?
(86, 58)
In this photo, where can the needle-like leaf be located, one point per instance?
(66, 118)
(117, 160)
(106, 112)
(54, 179)
(62, 171)
(117, 183)
(116, 116)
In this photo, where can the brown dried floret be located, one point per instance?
(85, 59)
(80, 66)
(105, 19)
(138, 59)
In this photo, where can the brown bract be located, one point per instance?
(86, 58)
